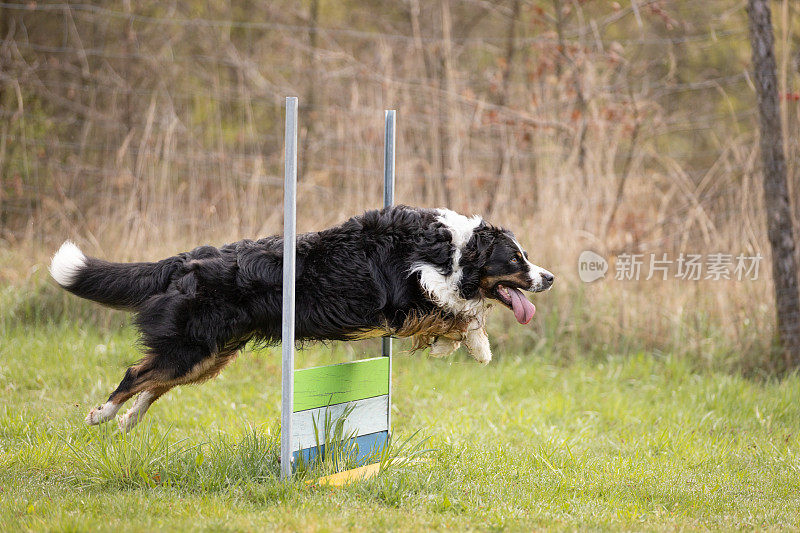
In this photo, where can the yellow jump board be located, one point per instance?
(348, 476)
(357, 474)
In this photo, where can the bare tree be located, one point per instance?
(448, 141)
(315, 85)
(776, 196)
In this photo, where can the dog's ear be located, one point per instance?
(476, 254)
(484, 240)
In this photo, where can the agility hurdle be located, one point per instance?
(362, 389)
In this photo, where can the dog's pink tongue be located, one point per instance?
(523, 308)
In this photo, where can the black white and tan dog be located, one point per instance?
(402, 271)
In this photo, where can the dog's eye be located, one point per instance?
(514, 260)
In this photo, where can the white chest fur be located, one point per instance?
(443, 289)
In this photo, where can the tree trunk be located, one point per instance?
(503, 173)
(310, 117)
(776, 196)
(447, 112)
(4, 26)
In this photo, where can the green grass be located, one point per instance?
(642, 442)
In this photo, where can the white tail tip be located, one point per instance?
(66, 264)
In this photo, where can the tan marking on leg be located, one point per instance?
(426, 328)
(371, 333)
(151, 384)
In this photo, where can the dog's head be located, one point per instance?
(495, 266)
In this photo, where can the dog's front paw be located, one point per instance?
(484, 357)
(442, 347)
(477, 343)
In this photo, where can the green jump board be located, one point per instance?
(327, 385)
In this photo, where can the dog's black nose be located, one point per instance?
(548, 278)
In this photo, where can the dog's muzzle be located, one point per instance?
(541, 279)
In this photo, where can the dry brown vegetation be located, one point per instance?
(140, 129)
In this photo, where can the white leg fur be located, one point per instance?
(442, 347)
(135, 414)
(477, 343)
(101, 414)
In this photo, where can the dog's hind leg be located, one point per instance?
(140, 406)
(127, 388)
(102, 413)
(203, 371)
(153, 373)
(135, 380)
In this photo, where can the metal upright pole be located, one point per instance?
(388, 186)
(289, 239)
(388, 200)
(388, 158)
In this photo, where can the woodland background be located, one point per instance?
(139, 129)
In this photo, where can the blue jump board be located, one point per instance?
(365, 445)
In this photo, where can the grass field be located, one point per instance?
(641, 442)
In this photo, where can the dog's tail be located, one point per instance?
(119, 285)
